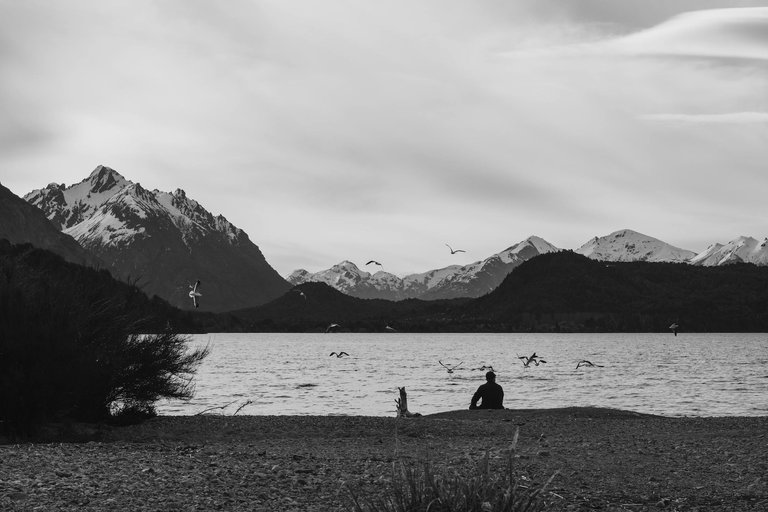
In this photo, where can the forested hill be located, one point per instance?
(33, 278)
(569, 292)
(561, 291)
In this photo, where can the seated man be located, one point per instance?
(491, 394)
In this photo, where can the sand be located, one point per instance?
(603, 460)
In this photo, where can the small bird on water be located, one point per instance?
(450, 368)
(532, 359)
(584, 362)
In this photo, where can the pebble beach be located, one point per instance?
(601, 459)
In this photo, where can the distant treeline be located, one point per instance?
(555, 292)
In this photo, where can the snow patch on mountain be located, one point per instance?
(453, 281)
(628, 245)
(105, 208)
(743, 249)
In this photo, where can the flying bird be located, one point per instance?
(339, 354)
(454, 251)
(300, 293)
(532, 359)
(390, 329)
(374, 262)
(451, 367)
(194, 294)
(332, 327)
(584, 362)
(674, 328)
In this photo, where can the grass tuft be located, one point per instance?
(418, 488)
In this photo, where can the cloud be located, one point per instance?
(344, 126)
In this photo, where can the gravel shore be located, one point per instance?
(604, 459)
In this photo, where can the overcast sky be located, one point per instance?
(332, 130)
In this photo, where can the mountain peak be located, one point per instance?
(347, 265)
(629, 245)
(105, 178)
(739, 250)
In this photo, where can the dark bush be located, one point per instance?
(71, 345)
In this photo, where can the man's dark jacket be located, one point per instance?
(492, 396)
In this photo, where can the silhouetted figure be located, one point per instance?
(490, 394)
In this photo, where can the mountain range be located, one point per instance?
(555, 292)
(162, 241)
(450, 282)
(481, 277)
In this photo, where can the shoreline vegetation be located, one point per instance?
(601, 459)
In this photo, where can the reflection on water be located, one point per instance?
(293, 374)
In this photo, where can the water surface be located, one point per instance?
(293, 374)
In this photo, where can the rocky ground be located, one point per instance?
(602, 460)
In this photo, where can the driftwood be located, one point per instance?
(402, 405)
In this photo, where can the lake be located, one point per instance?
(293, 374)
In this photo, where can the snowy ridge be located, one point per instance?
(628, 245)
(162, 240)
(453, 281)
(107, 209)
(743, 249)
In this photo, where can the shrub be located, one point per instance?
(71, 348)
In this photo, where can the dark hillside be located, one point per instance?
(313, 306)
(20, 222)
(567, 291)
(32, 277)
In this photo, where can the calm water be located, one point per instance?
(292, 374)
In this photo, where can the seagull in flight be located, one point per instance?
(390, 329)
(674, 328)
(451, 367)
(532, 359)
(454, 251)
(584, 362)
(332, 327)
(339, 354)
(300, 293)
(194, 294)
(374, 262)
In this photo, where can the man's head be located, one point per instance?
(490, 377)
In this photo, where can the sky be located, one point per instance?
(358, 130)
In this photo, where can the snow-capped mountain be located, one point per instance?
(20, 222)
(743, 249)
(628, 245)
(450, 282)
(163, 241)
